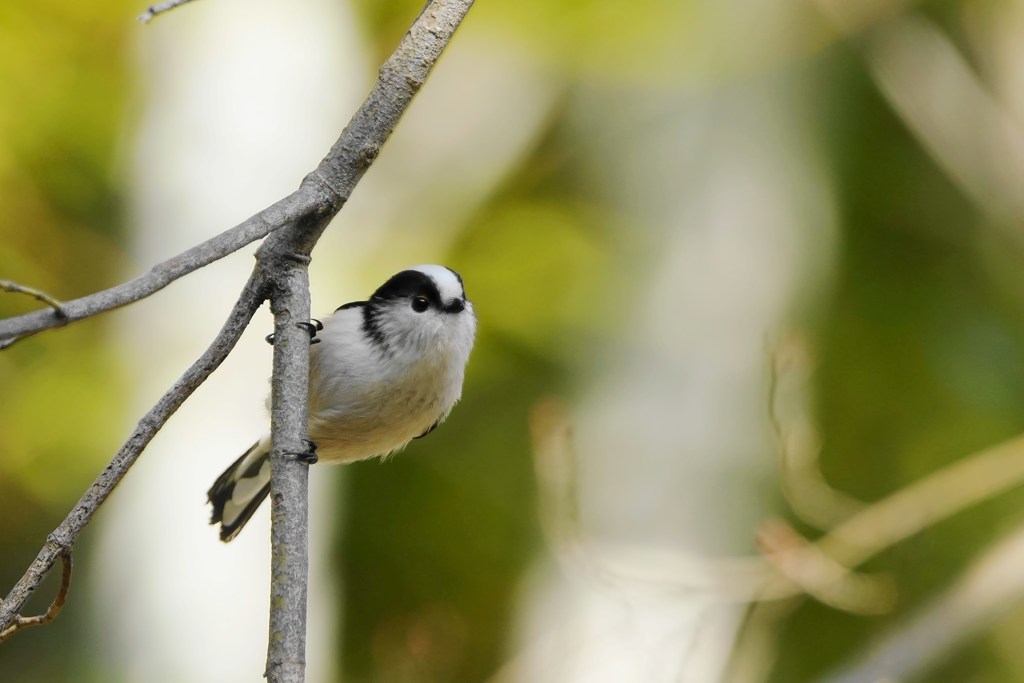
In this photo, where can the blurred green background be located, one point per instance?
(908, 288)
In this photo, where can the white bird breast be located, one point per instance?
(367, 399)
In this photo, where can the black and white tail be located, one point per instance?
(240, 489)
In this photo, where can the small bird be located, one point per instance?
(387, 371)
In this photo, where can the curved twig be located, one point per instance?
(55, 607)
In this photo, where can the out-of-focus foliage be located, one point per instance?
(922, 360)
(647, 42)
(62, 98)
(62, 106)
(919, 331)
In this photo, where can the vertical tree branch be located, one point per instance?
(289, 484)
(399, 80)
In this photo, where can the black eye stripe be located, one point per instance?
(403, 288)
(371, 326)
(408, 284)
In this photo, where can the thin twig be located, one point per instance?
(57, 306)
(55, 607)
(154, 10)
(289, 480)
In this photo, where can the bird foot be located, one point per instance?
(308, 456)
(311, 327)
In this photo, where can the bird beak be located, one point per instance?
(456, 306)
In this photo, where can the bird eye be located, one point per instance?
(420, 304)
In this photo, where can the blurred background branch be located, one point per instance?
(958, 119)
(971, 480)
(807, 566)
(797, 566)
(991, 586)
(822, 569)
(798, 443)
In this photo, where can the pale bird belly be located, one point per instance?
(367, 431)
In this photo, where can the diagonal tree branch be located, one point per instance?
(61, 540)
(297, 222)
